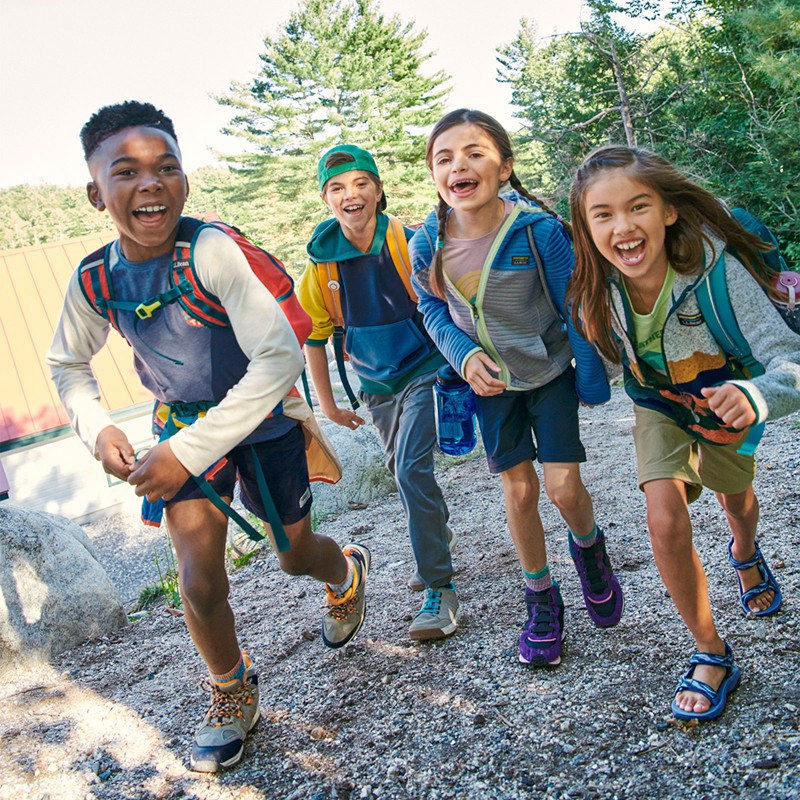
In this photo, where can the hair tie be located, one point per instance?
(440, 244)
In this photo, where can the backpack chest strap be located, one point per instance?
(146, 308)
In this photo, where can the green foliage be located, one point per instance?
(167, 566)
(31, 215)
(339, 71)
(713, 89)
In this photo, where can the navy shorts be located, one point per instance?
(510, 421)
(283, 461)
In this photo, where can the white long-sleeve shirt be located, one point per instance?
(261, 331)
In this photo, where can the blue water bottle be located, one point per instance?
(455, 412)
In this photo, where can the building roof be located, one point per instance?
(34, 281)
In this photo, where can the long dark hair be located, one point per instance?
(500, 137)
(698, 211)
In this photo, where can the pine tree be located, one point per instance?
(338, 71)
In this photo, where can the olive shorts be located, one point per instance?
(665, 451)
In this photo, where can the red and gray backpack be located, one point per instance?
(204, 307)
(185, 287)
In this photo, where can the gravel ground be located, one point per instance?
(389, 718)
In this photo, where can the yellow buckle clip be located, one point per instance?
(145, 310)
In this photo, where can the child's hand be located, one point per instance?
(158, 474)
(730, 404)
(345, 417)
(478, 373)
(114, 452)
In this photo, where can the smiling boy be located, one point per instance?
(223, 386)
(391, 353)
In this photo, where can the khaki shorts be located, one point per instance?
(665, 451)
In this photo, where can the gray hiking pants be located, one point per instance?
(407, 429)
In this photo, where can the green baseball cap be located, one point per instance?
(361, 160)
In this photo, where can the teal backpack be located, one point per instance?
(715, 306)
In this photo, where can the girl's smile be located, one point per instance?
(628, 220)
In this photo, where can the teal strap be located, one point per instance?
(227, 510)
(338, 352)
(749, 445)
(306, 388)
(146, 308)
(281, 541)
(715, 305)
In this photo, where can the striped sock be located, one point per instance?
(585, 541)
(538, 581)
(236, 674)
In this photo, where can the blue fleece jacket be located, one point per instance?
(517, 316)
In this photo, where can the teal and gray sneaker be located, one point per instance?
(344, 614)
(438, 616)
(234, 711)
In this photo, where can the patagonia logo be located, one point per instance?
(690, 320)
(520, 260)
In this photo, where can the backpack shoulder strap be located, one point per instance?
(542, 273)
(715, 306)
(95, 281)
(398, 249)
(198, 302)
(328, 279)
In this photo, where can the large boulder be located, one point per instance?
(53, 592)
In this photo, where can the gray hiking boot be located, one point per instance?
(234, 711)
(344, 615)
(415, 582)
(438, 616)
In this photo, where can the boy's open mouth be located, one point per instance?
(630, 252)
(353, 209)
(149, 212)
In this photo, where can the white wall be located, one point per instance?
(62, 477)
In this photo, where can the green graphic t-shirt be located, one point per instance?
(647, 327)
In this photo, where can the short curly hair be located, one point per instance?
(110, 119)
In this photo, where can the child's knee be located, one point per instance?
(203, 593)
(666, 525)
(567, 496)
(523, 495)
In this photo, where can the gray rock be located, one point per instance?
(365, 475)
(53, 592)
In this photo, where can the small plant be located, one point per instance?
(167, 586)
(244, 559)
(168, 574)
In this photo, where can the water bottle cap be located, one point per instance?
(448, 376)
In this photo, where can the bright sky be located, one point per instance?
(60, 60)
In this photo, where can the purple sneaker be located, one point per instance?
(540, 642)
(602, 593)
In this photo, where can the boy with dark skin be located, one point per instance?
(243, 372)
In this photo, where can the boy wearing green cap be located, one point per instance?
(357, 276)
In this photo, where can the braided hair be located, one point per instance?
(499, 136)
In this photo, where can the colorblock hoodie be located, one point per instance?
(385, 338)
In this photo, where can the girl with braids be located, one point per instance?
(485, 291)
(645, 238)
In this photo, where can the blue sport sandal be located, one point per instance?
(717, 697)
(768, 582)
